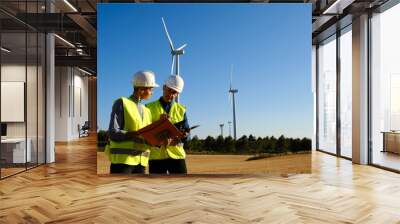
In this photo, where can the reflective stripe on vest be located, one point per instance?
(176, 114)
(134, 151)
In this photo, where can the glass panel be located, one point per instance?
(31, 98)
(346, 92)
(41, 98)
(327, 95)
(386, 89)
(13, 87)
(23, 79)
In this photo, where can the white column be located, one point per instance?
(50, 101)
(50, 92)
(314, 92)
(360, 90)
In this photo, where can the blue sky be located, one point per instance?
(269, 46)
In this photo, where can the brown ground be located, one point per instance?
(234, 164)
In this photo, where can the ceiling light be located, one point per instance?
(70, 5)
(337, 7)
(84, 71)
(65, 41)
(80, 51)
(5, 50)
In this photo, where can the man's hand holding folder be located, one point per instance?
(163, 132)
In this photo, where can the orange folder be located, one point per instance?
(160, 130)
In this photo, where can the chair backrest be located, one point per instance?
(86, 125)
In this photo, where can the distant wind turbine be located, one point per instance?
(233, 91)
(229, 124)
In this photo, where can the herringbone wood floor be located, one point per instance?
(69, 191)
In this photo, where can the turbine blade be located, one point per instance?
(181, 47)
(172, 66)
(230, 88)
(166, 32)
(230, 99)
(230, 82)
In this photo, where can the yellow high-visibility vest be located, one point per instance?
(135, 151)
(176, 114)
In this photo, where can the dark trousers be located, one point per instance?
(126, 169)
(164, 166)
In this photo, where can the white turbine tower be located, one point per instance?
(174, 52)
(233, 92)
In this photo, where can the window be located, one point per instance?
(346, 92)
(385, 88)
(327, 95)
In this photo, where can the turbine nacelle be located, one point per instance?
(179, 50)
(176, 52)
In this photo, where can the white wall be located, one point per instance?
(13, 73)
(80, 101)
(62, 81)
(71, 94)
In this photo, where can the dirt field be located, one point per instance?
(234, 164)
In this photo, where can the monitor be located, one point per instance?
(3, 129)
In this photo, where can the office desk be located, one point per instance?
(391, 141)
(13, 150)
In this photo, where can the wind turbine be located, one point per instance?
(222, 129)
(229, 123)
(174, 52)
(233, 91)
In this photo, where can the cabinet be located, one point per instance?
(13, 150)
(391, 142)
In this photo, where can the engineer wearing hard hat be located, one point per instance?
(127, 151)
(169, 158)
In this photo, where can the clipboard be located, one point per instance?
(158, 131)
(193, 127)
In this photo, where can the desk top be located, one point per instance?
(391, 132)
(13, 140)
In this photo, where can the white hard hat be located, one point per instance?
(144, 79)
(175, 82)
